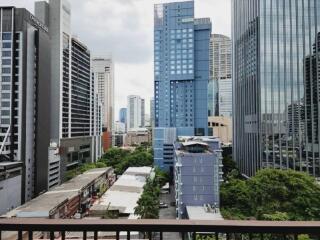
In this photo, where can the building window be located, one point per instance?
(6, 70)
(6, 36)
(5, 87)
(6, 53)
(6, 45)
(5, 79)
(6, 61)
(5, 112)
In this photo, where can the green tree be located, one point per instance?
(272, 195)
(277, 216)
(148, 204)
(235, 197)
(162, 177)
(228, 166)
(287, 191)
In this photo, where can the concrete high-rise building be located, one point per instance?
(220, 84)
(181, 75)
(135, 112)
(74, 104)
(147, 120)
(275, 88)
(152, 112)
(25, 107)
(198, 173)
(103, 72)
(123, 115)
(221, 127)
(119, 127)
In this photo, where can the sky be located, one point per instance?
(124, 29)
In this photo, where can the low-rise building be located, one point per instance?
(123, 196)
(119, 140)
(198, 173)
(75, 195)
(221, 127)
(138, 136)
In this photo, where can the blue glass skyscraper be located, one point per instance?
(181, 75)
(123, 115)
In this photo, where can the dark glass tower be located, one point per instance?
(276, 84)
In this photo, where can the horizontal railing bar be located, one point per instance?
(161, 225)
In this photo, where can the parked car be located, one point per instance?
(163, 205)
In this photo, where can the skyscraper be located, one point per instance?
(152, 113)
(103, 72)
(181, 76)
(73, 100)
(135, 112)
(123, 115)
(220, 84)
(25, 114)
(275, 103)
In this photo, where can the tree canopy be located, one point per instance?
(121, 159)
(272, 195)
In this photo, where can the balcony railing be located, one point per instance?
(155, 229)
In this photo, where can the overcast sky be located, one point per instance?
(124, 28)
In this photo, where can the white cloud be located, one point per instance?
(125, 29)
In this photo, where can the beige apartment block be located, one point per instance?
(221, 127)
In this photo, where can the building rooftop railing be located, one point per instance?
(154, 229)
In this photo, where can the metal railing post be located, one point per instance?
(20, 235)
(30, 235)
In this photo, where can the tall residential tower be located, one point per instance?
(135, 112)
(220, 84)
(103, 72)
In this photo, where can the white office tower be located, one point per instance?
(73, 97)
(220, 84)
(103, 72)
(135, 112)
